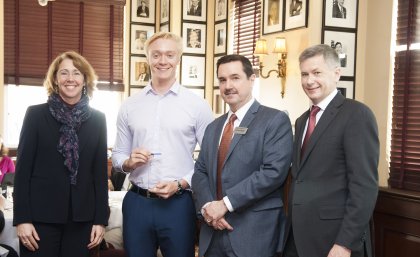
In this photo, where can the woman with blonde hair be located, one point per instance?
(61, 198)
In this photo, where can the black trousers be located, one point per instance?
(61, 240)
(290, 247)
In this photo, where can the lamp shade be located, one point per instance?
(261, 47)
(280, 45)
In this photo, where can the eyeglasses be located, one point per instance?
(66, 74)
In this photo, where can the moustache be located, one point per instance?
(229, 91)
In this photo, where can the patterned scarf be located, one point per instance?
(70, 117)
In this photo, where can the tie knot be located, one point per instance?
(315, 109)
(233, 118)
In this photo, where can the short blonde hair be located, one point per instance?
(80, 63)
(164, 35)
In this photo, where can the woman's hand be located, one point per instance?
(28, 236)
(96, 236)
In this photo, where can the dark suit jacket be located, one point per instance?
(43, 192)
(253, 174)
(295, 8)
(196, 12)
(334, 186)
(146, 11)
(336, 11)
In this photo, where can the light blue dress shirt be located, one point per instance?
(170, 124)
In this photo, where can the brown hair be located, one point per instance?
(80, 63)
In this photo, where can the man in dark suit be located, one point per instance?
(339, 11)
(238, 185)
(295, 7)
(334, 172)
(143, 10)
(195, 8)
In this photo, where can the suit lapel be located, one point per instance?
(300, 125)
(327, 117)
(248, 118)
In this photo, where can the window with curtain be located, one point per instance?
(34, 35)
(405, 131)
(247, 24)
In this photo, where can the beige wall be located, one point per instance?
(374, 59)
(377, 70)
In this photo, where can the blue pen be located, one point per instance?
(154, 154)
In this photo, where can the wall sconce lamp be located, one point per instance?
(280, 49)
(44, 2)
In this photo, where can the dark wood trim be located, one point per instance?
(397, 223)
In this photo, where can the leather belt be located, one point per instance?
(146, 193)
(143, 192)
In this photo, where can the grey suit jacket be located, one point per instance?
(253, 174)
(334, 184)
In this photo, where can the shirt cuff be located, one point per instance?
(228, 204)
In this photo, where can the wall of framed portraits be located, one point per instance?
(203, 26)
(189, 19)
(339, 30)
(142, 26)
(304, 23)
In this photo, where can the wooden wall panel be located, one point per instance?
(397, 223)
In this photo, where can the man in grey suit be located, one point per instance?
(334, 172)
(239, 195)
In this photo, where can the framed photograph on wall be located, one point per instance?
(346, 88)
(194, 38)
(272, 16)
(340, 13)
(165, 11)
(296, 14)
(139, 71)
(218, 103)
(344, 44)
(139, 35)
(215, 79)
(193, 70)
(220, 12)
(194, 10)
(220, 33)
(143, 11)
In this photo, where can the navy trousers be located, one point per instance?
(150, 223)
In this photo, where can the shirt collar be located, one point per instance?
(240, 113)
(324, 103)
(173, 89)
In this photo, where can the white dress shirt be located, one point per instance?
(170, 125)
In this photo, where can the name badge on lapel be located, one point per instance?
(240, 130)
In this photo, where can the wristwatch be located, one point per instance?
(180, 190)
